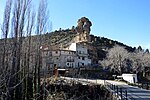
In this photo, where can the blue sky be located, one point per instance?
(127, 21)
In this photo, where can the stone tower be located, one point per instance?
(83, 30)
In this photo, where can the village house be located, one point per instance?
(81, 50)
(74, 54)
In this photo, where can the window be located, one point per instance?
(84, 38)
(79, 52)
(56, 52)
(67, 64)
(79, 39)
(55, 65)
(83, 64)
(49, 67)
(79, 57)
(83, 58)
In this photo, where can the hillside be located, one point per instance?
(101, 44)
(105, 43)
(63, 38)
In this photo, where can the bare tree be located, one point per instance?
(26, 55)
(18, 28)
(5, 31)
(42, 22)
(17, 51)
(136, 59)
(4, 70)
(140, 60)
(105, 63)
(116, 58)
(12, 77)
(146, 62)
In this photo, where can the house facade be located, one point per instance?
(58, 58)
(82, 55)
(75, 55)
(63, 58)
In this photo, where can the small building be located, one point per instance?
(62, 71)
(64, 58)
(82, 55)
(54, 57)
(131, 78)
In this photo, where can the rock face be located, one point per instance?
(83, 30)
(83, 25)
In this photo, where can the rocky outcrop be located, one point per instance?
(83, 25)
(83, 30)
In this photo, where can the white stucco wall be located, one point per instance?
(82, 51)
(73, 47)
(131, 78)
